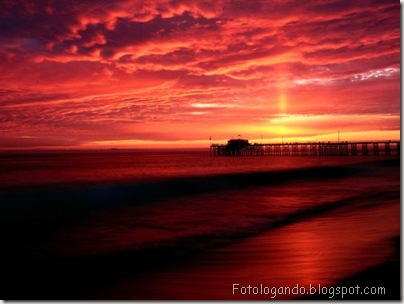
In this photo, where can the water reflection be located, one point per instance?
(318, 251)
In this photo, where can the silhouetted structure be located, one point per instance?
(241, 147)
(235, 146)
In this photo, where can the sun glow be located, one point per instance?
(282, 101)
(282, 85)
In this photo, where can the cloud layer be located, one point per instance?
(168, 71)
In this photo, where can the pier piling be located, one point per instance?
(241, 147)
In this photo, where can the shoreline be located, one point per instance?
(380, 275)
(314, 244)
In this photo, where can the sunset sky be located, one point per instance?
(131, 73)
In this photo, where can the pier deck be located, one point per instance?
(243, 148)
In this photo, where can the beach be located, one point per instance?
(181, 225)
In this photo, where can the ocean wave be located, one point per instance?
(110, 266)
(53, 202)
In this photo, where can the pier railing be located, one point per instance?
(378, 148)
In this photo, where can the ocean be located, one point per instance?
(183, 225)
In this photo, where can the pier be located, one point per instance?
(241, 147)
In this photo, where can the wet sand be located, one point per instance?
(341, 248)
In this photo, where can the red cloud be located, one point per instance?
(123, 70)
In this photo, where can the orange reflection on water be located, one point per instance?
(322, 251)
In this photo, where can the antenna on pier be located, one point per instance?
(210, 140)
(338, 136)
